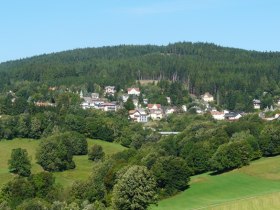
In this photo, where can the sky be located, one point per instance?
(34, 27)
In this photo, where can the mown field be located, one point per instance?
(254, 187)
(66, 178)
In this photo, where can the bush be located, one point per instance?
(55, 154)
(231, 155)
(20, 162)
(96, 153)
(135, 189)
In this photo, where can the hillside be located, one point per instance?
(253, 187)
(231, 73)
(81, 172)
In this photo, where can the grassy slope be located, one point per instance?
(66, 178)
(251, 187)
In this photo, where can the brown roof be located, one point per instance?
(130, 89)
(150, 106)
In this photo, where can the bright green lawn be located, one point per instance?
(66, 178)
(228, 191)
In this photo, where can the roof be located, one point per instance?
(216, 113)
(136, 89)
(150, 106)
(231, 114)
(207, 94)
(257, 101)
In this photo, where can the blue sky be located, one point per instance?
(34, 27)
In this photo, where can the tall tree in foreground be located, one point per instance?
(135, 189)
(20, 162)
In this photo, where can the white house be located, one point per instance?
(156, 112)
(207, 97)
(232, 116)
(257, 104)
(133, 91)
(138, 115)
(110, 90)
(108, 107)
(170, 110)
(218, 115)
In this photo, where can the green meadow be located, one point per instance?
(81, 172)
(254, 187)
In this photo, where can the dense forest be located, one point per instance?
(234, 76)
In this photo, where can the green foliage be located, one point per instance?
(197, 155)
(55, 154)
(96, 153)
(34, 204)
(17, 190)
(135, 189)
(20, 162)
(44, 185)
(172, 174)
(231, 155)
(270, 140)
(128, 105)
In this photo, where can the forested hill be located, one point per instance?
(233, 73)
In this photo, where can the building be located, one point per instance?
(107, 107)
(138, 115)
(207, 97)
(256, 104)
(133, 91)
(156, 112)
(232, 116)
(218, 115)
(110, 90)
(44, 104)
(95, 95)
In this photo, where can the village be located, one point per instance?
(144, 112)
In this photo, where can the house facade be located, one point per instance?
(156, 112)
(110, 90)
(133, 91)
(207, 97)
(138, 115)
(256, 104)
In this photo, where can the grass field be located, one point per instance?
(254, 187)
(66, 178)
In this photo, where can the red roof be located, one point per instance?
(150, 106)
(130, 89)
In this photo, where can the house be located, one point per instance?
(257, 104)
(108, 107)
(44, 104)
(138, 115)
(170, 110)
(232, 116)
(154, 106)
(95, 95)
(207, 97)
(156, 112)
(110, 90)
(218, 115)
(89, 102)
(133, 91)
